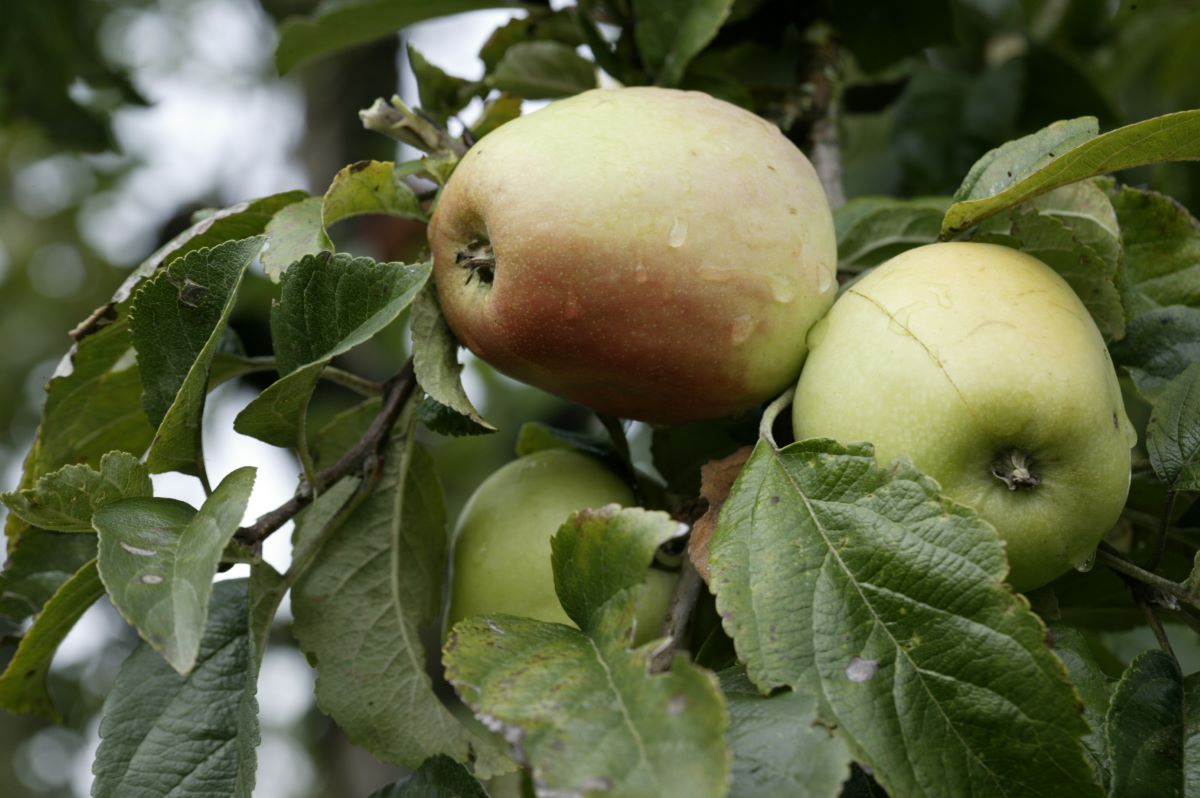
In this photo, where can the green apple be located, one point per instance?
(981, 365)
(651, 253)
(502, 540)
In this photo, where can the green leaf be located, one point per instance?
(1050, 240)
(241, 221)
(23, 683)
(543, 70)
(442, 95)
(670, 33)
(158, 558)
(360, 606)
(879, 38)
(1173, 434)
(1161, 244)
(498, 112)
(343, 24)
(870, 230)
(1013, 161)
(435, 363)
(89, 410)
(1072, 648)
(315, 525)
(439, 777)
(1086, 209)
(779, 747)
(580, 706)
(65, 499)
(61, 39)
(369, 187)
(1158, 346)
(1173, 137)
(1154, 730)
(266, 590)
(834, 575)
(295, 232)
(536, 436)
(328, 305)
(680, 450)
(176, 322)
(37, 566)
(189, 736)
(93, 406)
(940, 122)
(537, 25)
(599, 553)
(343, 431)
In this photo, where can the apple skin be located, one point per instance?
(502, 540)
(651, 253)
(954, 354)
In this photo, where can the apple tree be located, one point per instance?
(713, 585)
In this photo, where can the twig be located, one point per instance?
(1160, 543)
(348, 379)
(679, 615)
(1160, 633)
(1116, 561)
(616, 433)
(366, 450)
(819, 111)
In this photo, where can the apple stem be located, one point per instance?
(479, 260)
(1015, 469)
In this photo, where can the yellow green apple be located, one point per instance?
(651, 253)
(981, 365)
(502, 540)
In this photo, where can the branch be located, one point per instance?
(1160, 543)
(1117, 561)
(819, 106)
(679, 615)
(348, 379)
(365, 452)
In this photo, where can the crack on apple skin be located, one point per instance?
(479, 261)
(1017, 469)
(933, 357)
(1013, 466)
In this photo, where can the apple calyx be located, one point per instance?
(478, 259)
(1015, 468)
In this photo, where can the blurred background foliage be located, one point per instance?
(119, 119)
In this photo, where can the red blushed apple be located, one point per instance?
(650, 253)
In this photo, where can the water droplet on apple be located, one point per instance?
(783, 288)
(639, 273)
(679, 231)
(1087, 563)
(743, 325)
(571, 309)
(824, 281)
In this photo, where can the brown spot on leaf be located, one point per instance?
(716, 479)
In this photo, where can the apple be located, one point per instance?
(651, 253)
(981, 365)
(502, 540)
